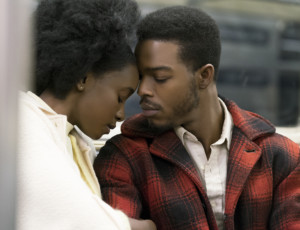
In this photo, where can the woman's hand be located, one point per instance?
(141, 224)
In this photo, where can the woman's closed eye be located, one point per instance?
(120, 100)
(124, 95)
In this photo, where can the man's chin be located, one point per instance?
(159, 127)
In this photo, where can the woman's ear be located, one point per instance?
(81, 84)
(205, 75)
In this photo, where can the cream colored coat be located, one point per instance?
(51, 193)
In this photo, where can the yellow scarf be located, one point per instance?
(86, 172)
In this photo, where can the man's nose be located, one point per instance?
(145, 87)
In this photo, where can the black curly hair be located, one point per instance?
(74, 37)
(193, 30)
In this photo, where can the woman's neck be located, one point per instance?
(60, 106)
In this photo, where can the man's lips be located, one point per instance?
(149, 113)
(149, 110)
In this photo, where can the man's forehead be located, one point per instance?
(159, 50)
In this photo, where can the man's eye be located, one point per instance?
(161, 80)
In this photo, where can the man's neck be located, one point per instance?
(208, 127)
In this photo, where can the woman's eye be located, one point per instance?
(120, 100)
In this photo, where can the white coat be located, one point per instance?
(51, 194)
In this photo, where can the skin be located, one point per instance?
(173, 95)
(96, 103)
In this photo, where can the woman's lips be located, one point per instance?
(107, 130)
(109, 127)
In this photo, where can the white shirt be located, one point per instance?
(212, 171)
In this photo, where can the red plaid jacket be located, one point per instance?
(152, 176)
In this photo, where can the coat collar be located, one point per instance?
(243, 153)
(137, 126)
(58, 120)
(251, 124)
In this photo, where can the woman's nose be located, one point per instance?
(120, 115)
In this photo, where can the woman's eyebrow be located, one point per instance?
(130, 90)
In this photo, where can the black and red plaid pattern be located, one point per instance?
(149, 175)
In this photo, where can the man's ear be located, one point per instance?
(205, 75)
(81, 84)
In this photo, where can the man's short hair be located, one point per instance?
(196, 33)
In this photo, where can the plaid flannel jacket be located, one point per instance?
(152, 176)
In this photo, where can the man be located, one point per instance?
(192, 160)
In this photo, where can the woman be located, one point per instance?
(84, 73)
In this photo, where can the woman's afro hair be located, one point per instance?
(72, 35)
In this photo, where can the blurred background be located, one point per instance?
(260, 61)
(259, 69)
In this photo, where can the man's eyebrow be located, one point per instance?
(158, 68)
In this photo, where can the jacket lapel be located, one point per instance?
(164, 145)
(243, 155)
(169, 147)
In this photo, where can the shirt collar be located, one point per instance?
(226, 130)
(227, 126)
(47, 109)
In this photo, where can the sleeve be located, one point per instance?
(51, 194)
(118, 186)
(286, 202)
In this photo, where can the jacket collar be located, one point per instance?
(137, 126)
(251, 124)
(243, 153)
(63, 126)
(50, 113)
